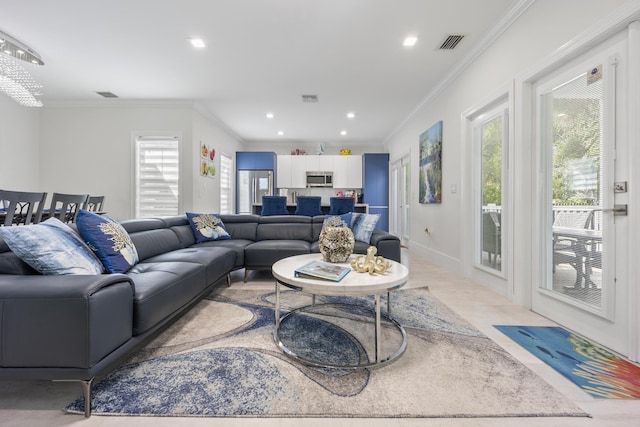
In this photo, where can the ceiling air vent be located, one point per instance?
(309, 98)
(107, 94)
(451, 42)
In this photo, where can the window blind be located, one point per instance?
(225, 184)
(157, 176)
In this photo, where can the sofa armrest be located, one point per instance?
(387, 244)
(69, 321)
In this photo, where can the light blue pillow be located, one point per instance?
(207, 227)
(51, 248)
(363, 226)
(109, 240)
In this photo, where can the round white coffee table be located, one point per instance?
(353, 284)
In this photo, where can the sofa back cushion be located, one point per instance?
(285, 227)
(151, 237)
(241, 226)
(10, 263)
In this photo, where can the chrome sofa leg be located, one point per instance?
(246, 275)
(86, 391)
(228, 279)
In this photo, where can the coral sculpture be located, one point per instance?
(370, 263)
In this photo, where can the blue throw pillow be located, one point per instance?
(109, 240)
(207, 227)
(344, 220)
(363, 226)
(51, 248)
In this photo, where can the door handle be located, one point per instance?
(618, 210)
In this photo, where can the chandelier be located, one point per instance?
(15, 80)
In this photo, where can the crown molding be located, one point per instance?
(487, 40)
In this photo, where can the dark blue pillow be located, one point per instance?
(345, 220)
(274, 205)
(207, 227)
(109, 240)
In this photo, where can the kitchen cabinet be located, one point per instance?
(255, 160)
(347, 172)
(283, 172)
(298, 172)
(375, 192)
(292, 170)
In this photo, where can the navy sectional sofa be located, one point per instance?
(80, 327)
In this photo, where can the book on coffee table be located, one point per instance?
(322, 271)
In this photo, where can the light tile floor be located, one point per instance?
(39, 403)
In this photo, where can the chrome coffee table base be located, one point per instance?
(378, 361)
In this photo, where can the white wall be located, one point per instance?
(19, 160)
(542, 29)
(89, 149)
(206, 191)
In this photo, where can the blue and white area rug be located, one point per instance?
(220, 360)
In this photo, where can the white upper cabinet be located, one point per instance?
(347, 172)
(283, 171)
(298, 172)
(292, 170)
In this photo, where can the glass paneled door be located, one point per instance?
(579, 135)
(573, 121)
(400, 190)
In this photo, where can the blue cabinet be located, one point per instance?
(255, 160)
(375, 189)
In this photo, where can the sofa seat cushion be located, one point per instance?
(161, 289)
(262, 254)
(218, 261)
(236, 245)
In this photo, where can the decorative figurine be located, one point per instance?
(370, 263)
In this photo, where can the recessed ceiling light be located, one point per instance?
(198, 43)
(343, 132)
(351, 115)
(410, 41)
(280, 133)
(269, 115)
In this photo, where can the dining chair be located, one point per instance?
(65, 206)
(308, 205)
(94, 203)
(19, 207)
(274, 205)
(567, 248)
(491, 237)
(341, 205)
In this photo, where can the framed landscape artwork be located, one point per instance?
(430, 188)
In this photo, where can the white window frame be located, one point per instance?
(501, 111)
(226, 187)
(174, 183)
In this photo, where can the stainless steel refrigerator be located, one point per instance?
(252, 185)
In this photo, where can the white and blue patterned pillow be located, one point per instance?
(207, 227)
(51, 248)
(363, 226)
(109, 240)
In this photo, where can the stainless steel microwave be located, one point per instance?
(319, 179)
